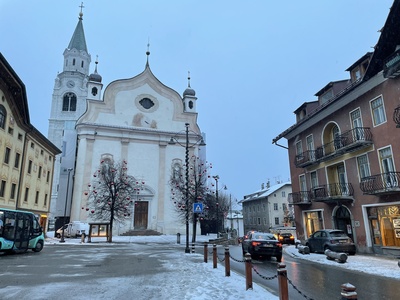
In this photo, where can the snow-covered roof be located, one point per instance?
(264, 193)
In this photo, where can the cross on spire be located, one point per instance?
(81, 13)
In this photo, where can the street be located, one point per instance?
(314, 279)
(85, 272)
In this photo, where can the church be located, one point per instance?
(131, 119)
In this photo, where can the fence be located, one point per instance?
(347, 290)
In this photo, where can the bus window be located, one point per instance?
(9, 225)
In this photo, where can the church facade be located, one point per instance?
(132, 120)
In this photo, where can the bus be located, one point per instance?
(20, 231)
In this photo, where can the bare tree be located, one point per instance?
(196, 189)
(111, 192)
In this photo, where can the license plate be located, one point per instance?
(268, 245)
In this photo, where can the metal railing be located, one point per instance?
(384, 183)
(348, 141)
(303, 197)
(331, 191)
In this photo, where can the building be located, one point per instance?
(133, 120)
(267, 208)
(344, 148)
(27, 156)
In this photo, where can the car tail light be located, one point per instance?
(333, 241)
(279, 244)
(280, 238)
(292, 237)
(255, 244)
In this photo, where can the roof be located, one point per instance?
(264, 193)
(78, 40)
(20, 108)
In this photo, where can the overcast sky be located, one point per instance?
(252, 63)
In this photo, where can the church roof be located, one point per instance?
(78, 40)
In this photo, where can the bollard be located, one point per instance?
(205, 252)
(82, 238)
(282, 281)
(341, 257)
(249, 274)
(178, 238)
(214, 256)
(348, 292)
(193, 248)
(303, 249)
(227, 262)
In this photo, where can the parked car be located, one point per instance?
(286, 238)
(332, 239)
(262, 244)
(73, 229)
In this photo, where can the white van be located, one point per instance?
(74, 229)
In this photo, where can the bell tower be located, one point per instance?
(68, 104)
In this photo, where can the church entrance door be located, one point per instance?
(141, 215)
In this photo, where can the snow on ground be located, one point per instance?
(184, 284)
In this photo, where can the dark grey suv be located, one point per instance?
(332, 239)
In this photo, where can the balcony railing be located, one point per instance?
(350, 140)
(299, 198)
(380, 184)
(332, 192)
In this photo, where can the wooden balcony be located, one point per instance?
(349, 141)
(299, 198)
(333, 193)
(381, 184)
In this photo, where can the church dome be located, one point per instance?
(189, 92)
(95, 77)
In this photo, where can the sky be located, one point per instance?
(251, 63)
(214, 283)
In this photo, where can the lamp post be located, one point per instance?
(216, 177)
(201, 143)
(65, 209)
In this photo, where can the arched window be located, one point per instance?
(82, 64)
(3, 116)
(94, 91)
(73, 62)
(69, 102)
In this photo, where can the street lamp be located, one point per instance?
(173, 141)
(65, 209)
(216, 177)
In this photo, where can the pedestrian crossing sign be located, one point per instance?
(198, 208)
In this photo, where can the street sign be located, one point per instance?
(197, 208)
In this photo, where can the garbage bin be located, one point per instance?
(178, 238)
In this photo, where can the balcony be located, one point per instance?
(299, 198)
(391, 67)
(351, 140)
(381, 184)
(333, 193)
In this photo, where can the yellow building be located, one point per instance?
(26, 156)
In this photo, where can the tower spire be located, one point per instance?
(148, 52)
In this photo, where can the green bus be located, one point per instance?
(20, 231)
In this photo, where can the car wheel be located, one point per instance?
(39, 247)
(310, 248)
(58, 235)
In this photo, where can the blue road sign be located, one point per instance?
(197, 208)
